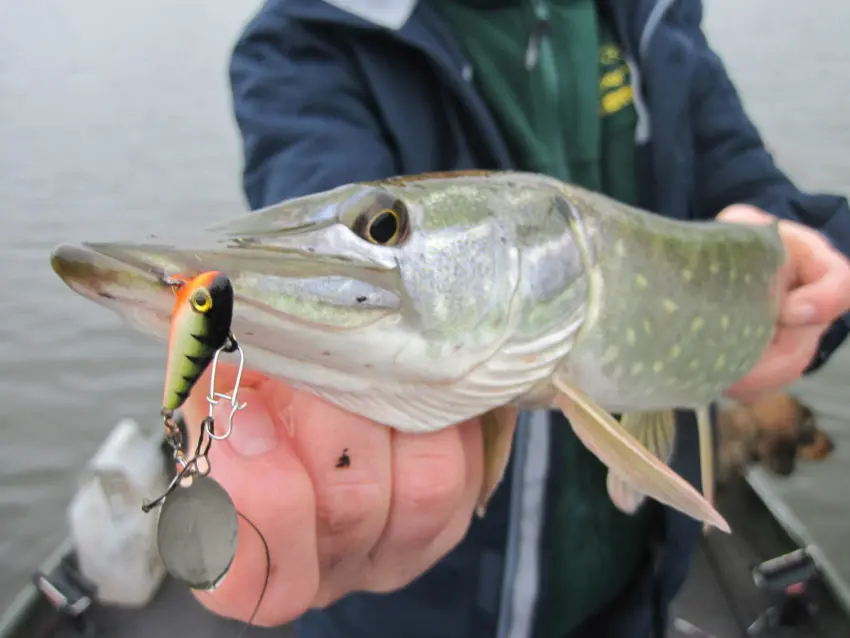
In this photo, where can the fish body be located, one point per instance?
(677, 311)
(200, 325)
(423, 301)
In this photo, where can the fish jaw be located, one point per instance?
(139, 296)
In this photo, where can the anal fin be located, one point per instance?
(623, 454)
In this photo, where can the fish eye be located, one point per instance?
(383, 228)
(201, 300)
(384, 225)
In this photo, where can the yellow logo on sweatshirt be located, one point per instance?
(615, 89)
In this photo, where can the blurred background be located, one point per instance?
(115, 120)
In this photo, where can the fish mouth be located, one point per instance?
(121, 271)
(298, 314)
(140, 294)
(74, 265)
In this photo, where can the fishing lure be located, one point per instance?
(200, 328)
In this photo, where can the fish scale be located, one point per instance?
(683, 313)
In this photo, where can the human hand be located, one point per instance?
(816, 291)
(403, 503)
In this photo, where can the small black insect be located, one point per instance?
(344, 460)
(361, 299)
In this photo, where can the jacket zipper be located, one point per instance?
(540, 31)
(541, 64)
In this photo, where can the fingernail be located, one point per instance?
(800, 313)
(254, 432)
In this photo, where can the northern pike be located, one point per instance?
(422, 301)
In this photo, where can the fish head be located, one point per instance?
(404, 284)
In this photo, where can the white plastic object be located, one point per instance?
(114, 539)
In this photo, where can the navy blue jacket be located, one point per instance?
(324, 97)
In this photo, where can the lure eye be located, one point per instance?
(385, 225)
(201, 300)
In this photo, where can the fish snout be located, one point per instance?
(78, 268)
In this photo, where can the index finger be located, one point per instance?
(821, 286)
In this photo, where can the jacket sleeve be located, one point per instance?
(304, 114)
(733, 166)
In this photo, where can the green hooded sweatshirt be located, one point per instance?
(558, 86)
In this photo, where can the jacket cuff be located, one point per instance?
(829, 343)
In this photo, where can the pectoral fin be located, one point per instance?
(656, 431)
(623, 454)
(497, 429)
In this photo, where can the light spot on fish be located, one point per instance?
(647, 327)
(620, 248)
(631, 337)
(760, 331)
(693, 365)
(748, 278)
(733, 275)
(610, 354)
(747, 331)
(658, 366)
(637, 369)
(697, 324)
(670, 305)
(675, 351)
(687, 274)
(714, 268)
(641, 281)
(720, 363)
(724, 322)
(618, 372)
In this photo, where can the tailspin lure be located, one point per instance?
(200, 332)
(197, 527)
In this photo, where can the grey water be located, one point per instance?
(115, 121)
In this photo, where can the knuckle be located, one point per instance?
(343, 508)
(430, 485)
